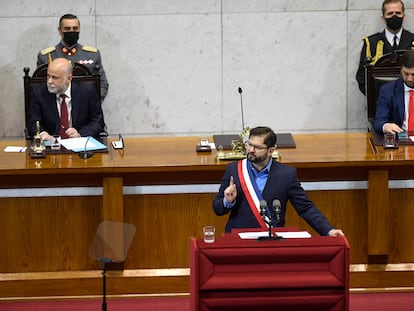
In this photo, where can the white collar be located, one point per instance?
(390, 36)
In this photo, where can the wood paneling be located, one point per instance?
(47, 234)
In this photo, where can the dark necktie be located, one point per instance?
(411, 113)
(64, 117)
(395, 45)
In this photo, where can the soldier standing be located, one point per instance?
(393, 38)
(69, 48)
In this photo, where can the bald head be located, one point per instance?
(61, 64)
(59, 75)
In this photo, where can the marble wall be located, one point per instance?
(175, 66)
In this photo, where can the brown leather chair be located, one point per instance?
(386, 69)
(80, 73)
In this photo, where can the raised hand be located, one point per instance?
(230, 193)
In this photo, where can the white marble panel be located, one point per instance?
(164, 73)
(292, 71)
(174, 66)
(373, 4)
(282, 5)
(156, 7)
(37, 8)
(360, 25)
(16, 54)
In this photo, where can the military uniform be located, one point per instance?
(376, 46)
(85, 55)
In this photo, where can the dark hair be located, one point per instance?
(391, 1)
(269, 135)
(408, 59)
(67, 16)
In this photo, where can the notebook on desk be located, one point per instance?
(283, 140)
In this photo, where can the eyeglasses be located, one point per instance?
(256, 147)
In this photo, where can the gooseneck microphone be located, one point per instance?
(241, 107)
(86, 154)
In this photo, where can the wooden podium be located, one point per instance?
(290, 274)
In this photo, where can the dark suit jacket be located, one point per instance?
(406, 43)
(87, 116)
(390, 105)
(282, 184)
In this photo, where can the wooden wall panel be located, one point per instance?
(402, 225)
(55, 234)
(47, 234)
(344, 209)
(165, 224)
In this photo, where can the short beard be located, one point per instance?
(255, 159)
(52, 90)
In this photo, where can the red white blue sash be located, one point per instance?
(250, 190)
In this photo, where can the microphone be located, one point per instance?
(263, 208)
(86, 154)
(241, 107)
(276, 211)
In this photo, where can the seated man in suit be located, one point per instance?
(69, 48)
(394, 103)
(65, 107)
(259, 177)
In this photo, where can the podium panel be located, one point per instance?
(290, 274)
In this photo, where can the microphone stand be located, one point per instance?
(86, 154)
(272, 220)
(241, 107)
(104, 262)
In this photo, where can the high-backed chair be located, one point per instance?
(386, 69)
(80, 73)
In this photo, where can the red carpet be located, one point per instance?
(381, 302)
(358, 302)
(144, 304)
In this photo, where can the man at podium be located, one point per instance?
(248, 182)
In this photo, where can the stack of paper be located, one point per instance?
(286, 235)
(82, 144)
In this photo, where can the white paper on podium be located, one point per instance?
(286, 235)
(78, 144)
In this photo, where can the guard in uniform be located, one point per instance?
(394, 37)
(376, 46)
(69, 48)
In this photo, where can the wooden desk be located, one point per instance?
(47, 238)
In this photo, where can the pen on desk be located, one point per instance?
(23, 149)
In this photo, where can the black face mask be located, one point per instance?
(71, 37)
(394, 22)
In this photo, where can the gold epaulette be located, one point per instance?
(379, 52)
(48, 50)
(368, 48)
(89, 49)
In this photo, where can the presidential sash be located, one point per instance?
(250, 190)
